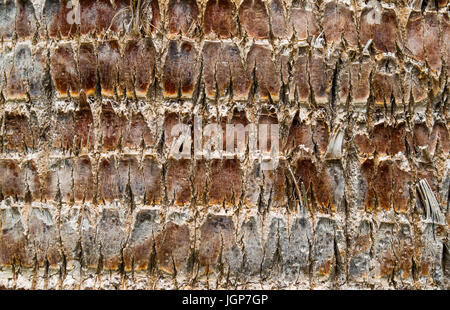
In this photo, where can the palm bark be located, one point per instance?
(91, 198)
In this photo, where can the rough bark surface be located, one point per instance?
(90, 197)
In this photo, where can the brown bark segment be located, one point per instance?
(180, 70)
(64, 71)
(224, 70)
(8, 13)
(339, 22)
(218, 19)
(182, 17)
(87, 64)
(254, 18)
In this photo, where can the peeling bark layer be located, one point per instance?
(91, 197)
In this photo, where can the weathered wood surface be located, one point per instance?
(90, 197)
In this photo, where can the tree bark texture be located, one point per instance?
(91, 198)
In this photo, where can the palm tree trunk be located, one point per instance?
(92, 195)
